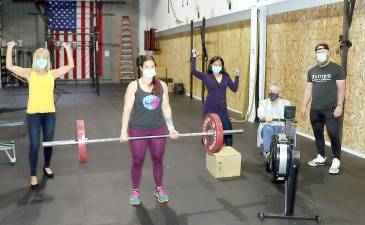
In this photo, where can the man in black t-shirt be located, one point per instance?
(326, 87)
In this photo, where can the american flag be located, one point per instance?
(73, 21)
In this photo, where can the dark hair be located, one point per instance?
(212, 60)
(323, 45)
(155, 84)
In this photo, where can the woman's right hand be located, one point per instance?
(124, 137)
(194, 52)
(11, 44)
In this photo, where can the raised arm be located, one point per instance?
(234, 85)
(65, 69)
(196, 73)
(19, 71)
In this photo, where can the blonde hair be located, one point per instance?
(46, 52)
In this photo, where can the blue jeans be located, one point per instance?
(36, 122)
(227, 125)
(268, 132)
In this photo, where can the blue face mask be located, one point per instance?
(216, 69)
(149, 73)
(41, 63)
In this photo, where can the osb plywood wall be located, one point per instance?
(291, 39)
(230, 41)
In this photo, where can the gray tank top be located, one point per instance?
(147, 112)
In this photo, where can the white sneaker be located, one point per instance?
(335, 167)
(319, 161)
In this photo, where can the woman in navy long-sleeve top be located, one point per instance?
(216, 80)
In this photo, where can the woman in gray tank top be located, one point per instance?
(147, 112)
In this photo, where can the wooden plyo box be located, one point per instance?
(225, 163)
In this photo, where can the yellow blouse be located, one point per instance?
(41, 98)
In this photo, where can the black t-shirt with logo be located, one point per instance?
(324, 90)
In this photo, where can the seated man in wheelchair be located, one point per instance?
(271, 115)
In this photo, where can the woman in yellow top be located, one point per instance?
(41, 109)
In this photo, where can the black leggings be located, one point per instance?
(318, 119)
(35, 123)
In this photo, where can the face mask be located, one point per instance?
(216, 69)
(322, 57)
(41, 63)
(149, 73)
(273, 96)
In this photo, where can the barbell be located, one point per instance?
(213, 135)
(18, 44)
(73, 44)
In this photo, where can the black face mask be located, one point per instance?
(273, 96)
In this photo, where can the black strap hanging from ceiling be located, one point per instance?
(345, 43)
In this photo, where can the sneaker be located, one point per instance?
(161, 195)
(319, 161)
(267, 155)
(335, 167)
(135, 198)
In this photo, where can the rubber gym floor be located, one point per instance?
(97, 193)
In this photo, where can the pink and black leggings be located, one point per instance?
(139, 149)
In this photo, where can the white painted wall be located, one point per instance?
(162, 20)
(293, 5)
(251, 112)
(153, 13)
(144, 18)
(156, 13)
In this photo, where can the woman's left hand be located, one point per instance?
(173, 133)
(236, 72)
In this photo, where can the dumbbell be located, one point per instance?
(74, 44)
(58, 44)
(18, 44)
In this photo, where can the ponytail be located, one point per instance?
(156, 87)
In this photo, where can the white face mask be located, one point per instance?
(149, 73)
(41, 63)
(322, 57)
(216, 69)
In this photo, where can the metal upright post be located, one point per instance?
(96, 61)
(191, 56)
(204, 56)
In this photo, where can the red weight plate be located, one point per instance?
(212, 143)
(81, 147)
